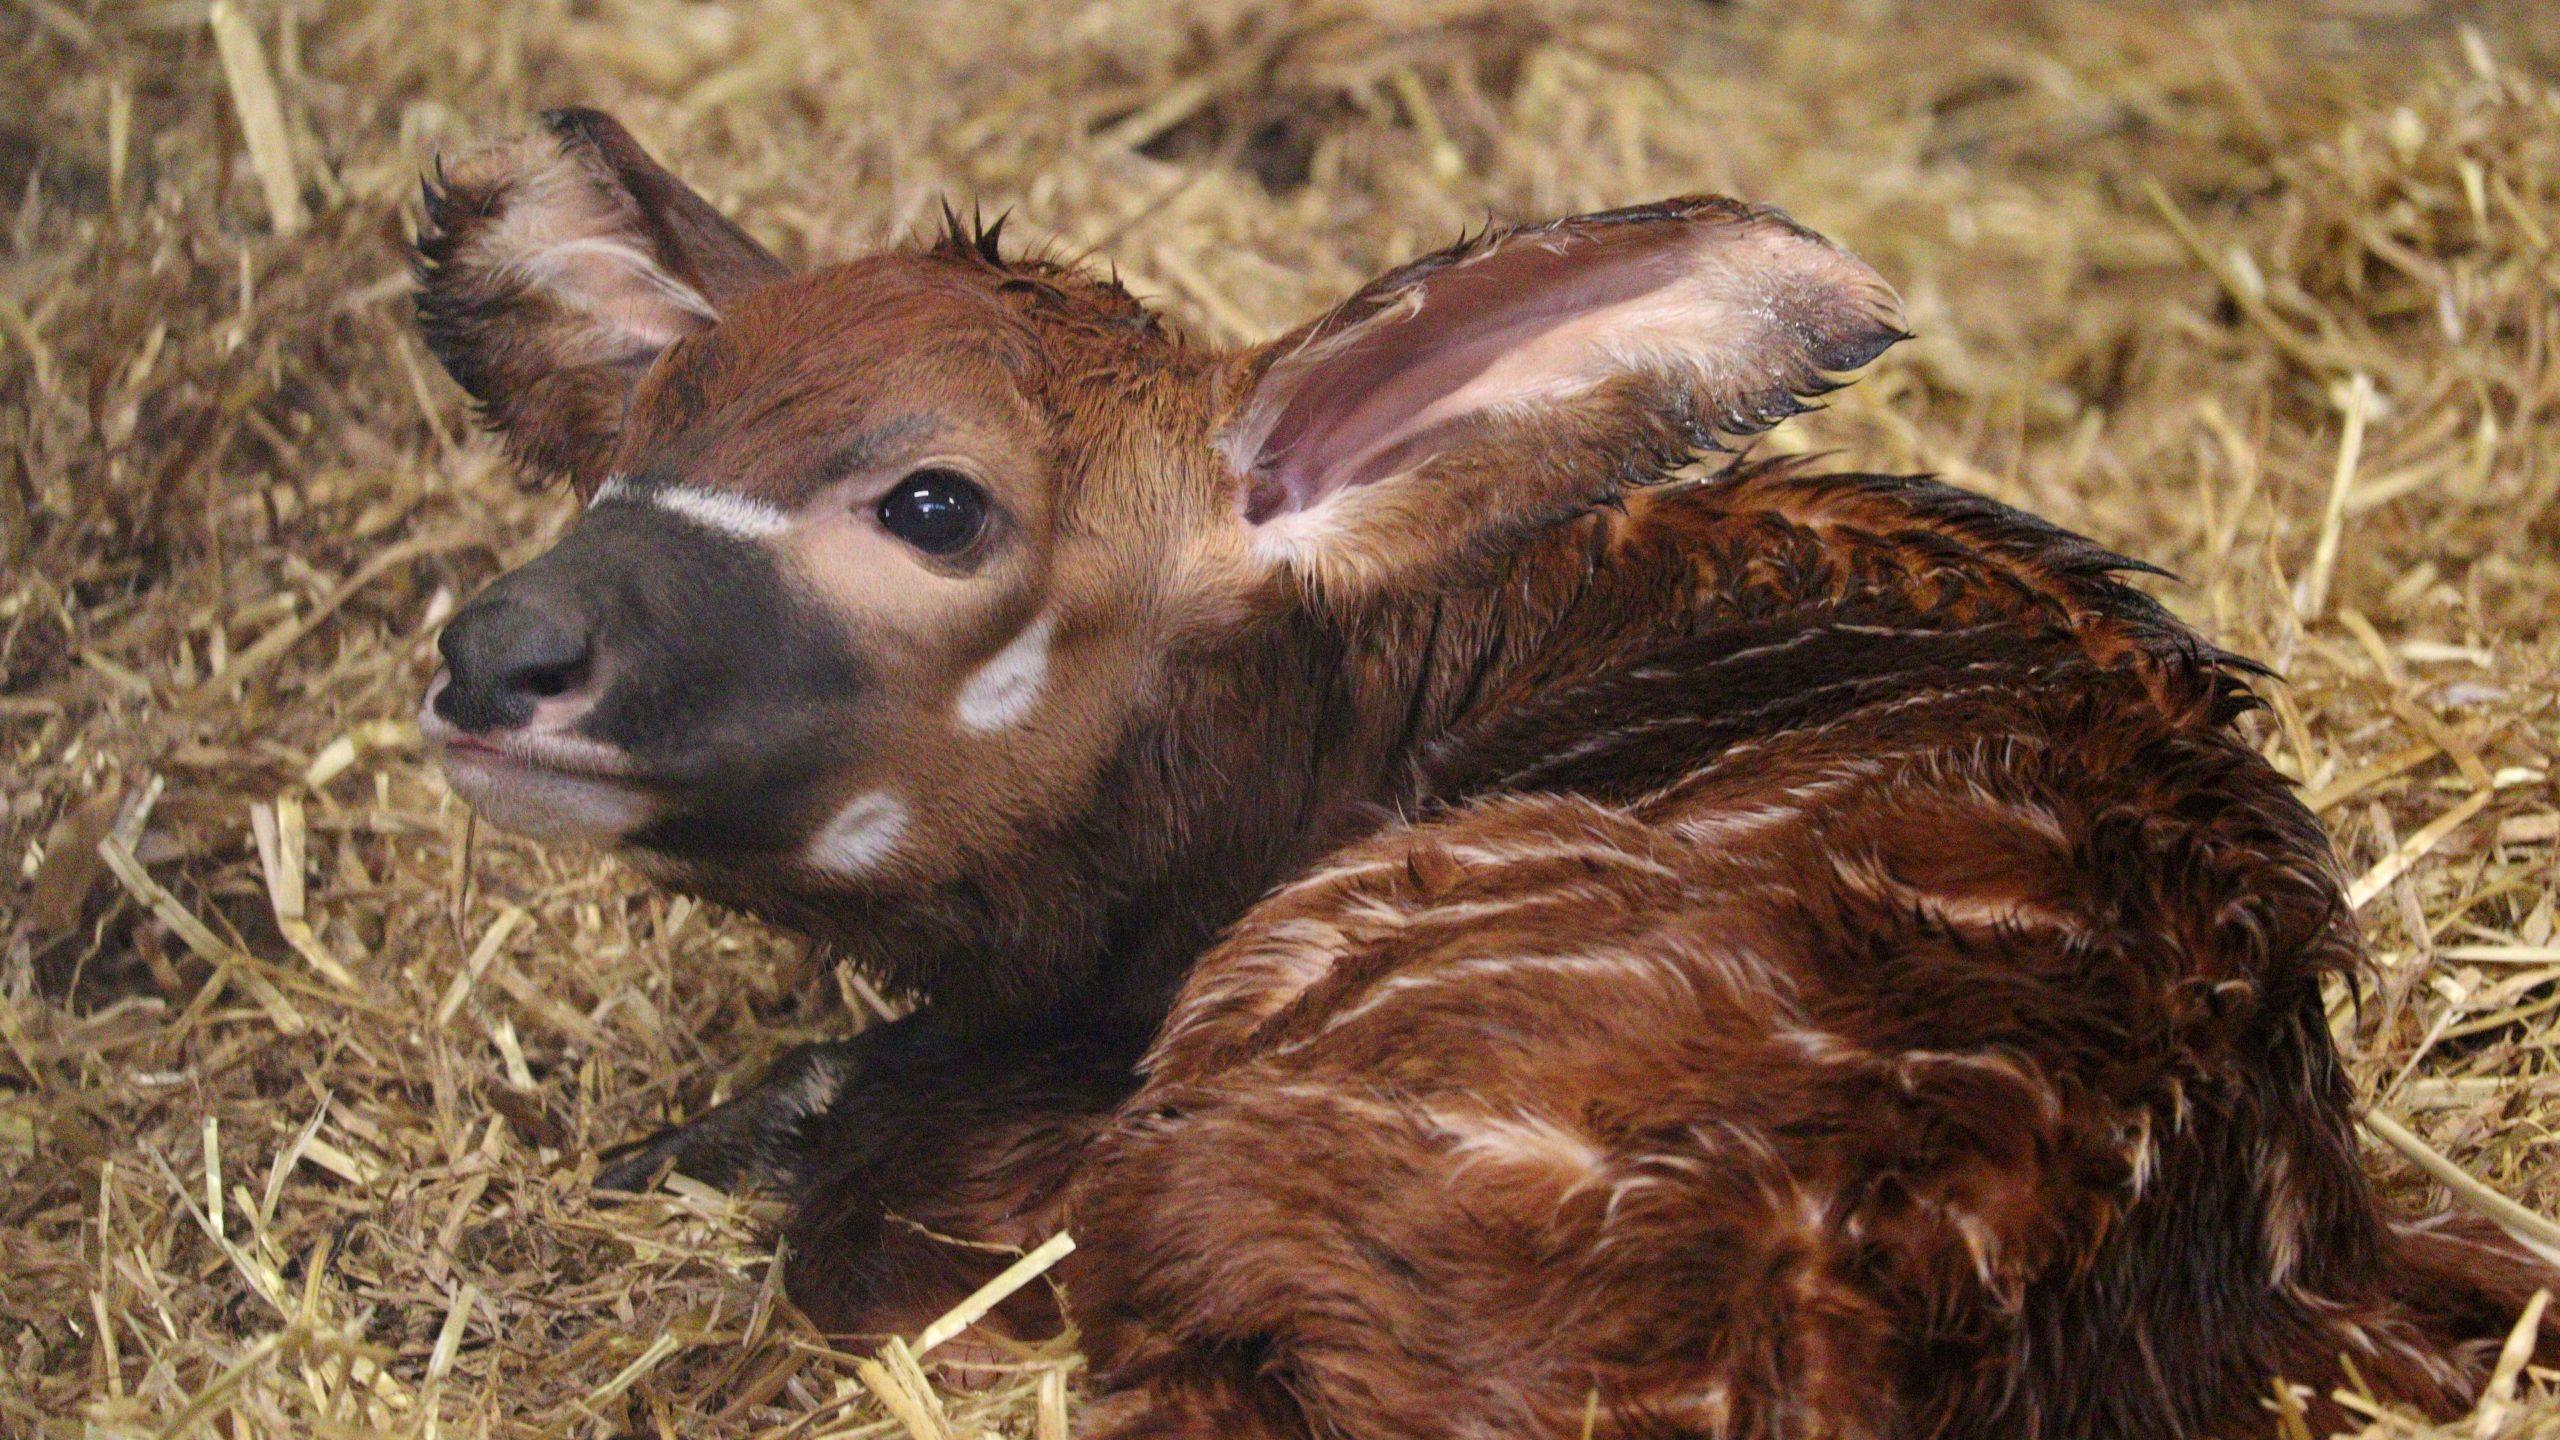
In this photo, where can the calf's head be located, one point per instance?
(894, 572)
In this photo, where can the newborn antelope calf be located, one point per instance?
(1478, 930)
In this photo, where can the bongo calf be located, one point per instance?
(1478, 928)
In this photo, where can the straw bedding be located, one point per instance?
(299, 1074)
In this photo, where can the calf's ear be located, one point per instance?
(1524, 375)
(554, 268)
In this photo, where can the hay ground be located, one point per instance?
(298, 1075)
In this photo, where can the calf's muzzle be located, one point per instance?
(663, 656)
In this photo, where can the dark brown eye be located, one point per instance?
(937, 511)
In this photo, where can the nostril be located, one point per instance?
(505, 657)
(550, 682)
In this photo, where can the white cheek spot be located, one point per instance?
(1006, 687)
(736, 516)
(861, 835)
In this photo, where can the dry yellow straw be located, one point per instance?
(261, 111)
(988, 1296)
(2356, 400)
(2533, 1231)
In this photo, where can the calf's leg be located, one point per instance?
(918, 1158)
(758, 1137)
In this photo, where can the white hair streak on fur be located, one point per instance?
(554, 266)
(564, 235)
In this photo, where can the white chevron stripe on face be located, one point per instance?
(720, 511)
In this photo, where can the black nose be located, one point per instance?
(502, 655)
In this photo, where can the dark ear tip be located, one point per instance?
(576, 122)
(1860, 347)
(598, 134)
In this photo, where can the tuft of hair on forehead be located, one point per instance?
(1039, 280)
(980, 237)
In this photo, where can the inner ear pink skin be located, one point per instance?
(1741, 309)
(1375, 387)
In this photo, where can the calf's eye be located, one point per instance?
(937, 511)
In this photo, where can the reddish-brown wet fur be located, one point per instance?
(1778, 953)
(1876, 995)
